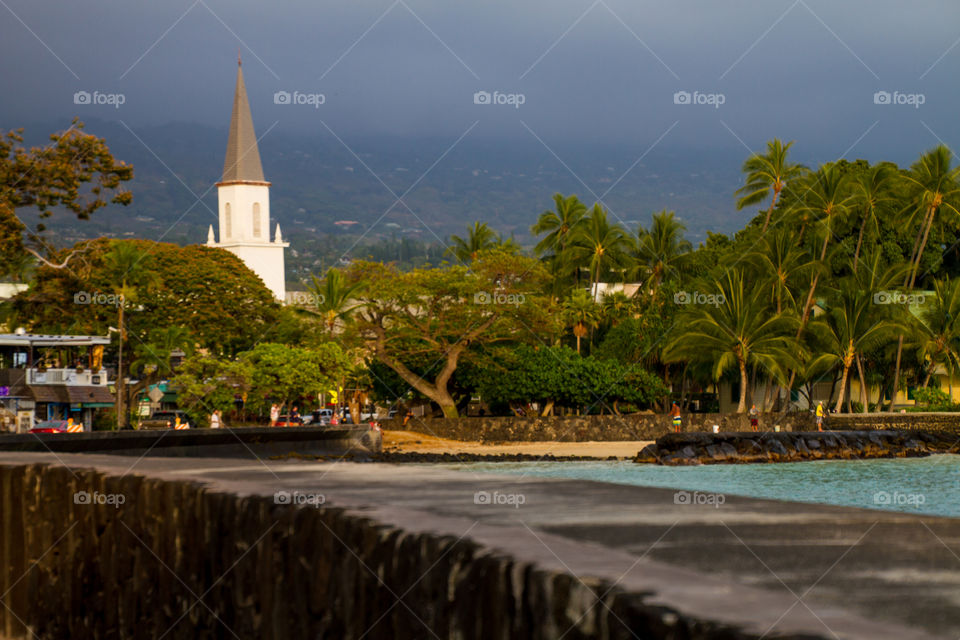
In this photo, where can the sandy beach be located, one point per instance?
(411, 441)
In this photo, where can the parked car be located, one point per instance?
(50, 426)
(164, 420)
(320, 417)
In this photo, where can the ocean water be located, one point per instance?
(917, 485)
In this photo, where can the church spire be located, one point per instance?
(243, 157)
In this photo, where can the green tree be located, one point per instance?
(767, 175)
(76, 171)
(599, 246)
(736, 333)
(445, 312)
(283, 374)
(479, 238)
(660, 251)
(560, 227)
(151, 357)
(781, 266)
(581, 313)
(335, 299)
(872, 197)
(938, 333)
(205, 383)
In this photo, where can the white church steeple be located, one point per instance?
(244, 198)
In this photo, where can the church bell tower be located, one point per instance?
(244, 201)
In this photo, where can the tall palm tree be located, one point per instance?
(738, 333)
(559, 225)
(151, 358)
(767, 174)
(130, 268)
(781, 266)
(599, 246)
(582, 313)
(871, 196)
(479, 238)
(335, 298)
(938, 333)
(826, 197)
(934, 186)
(660, 252)
(854, 324)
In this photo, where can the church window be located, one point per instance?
(256, 219)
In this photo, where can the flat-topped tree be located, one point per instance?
(445, 311)
(75, 171)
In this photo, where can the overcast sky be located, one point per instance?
(608, 70)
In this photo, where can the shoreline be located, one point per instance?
(415, 446)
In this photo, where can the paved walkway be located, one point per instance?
(774, 567)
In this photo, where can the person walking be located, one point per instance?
(820, 414)
(754, 418)
(676, 419)
(215, 419)
(274, 414)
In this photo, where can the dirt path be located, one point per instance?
(411, 441)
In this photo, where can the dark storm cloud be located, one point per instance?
(606, 70)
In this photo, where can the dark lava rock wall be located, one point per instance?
(732, 448)
(176, 560)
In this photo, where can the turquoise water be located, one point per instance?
(917, 485)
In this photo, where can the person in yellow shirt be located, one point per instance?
(820, 413)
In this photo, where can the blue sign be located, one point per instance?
(4, 391)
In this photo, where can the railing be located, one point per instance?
(68, 377)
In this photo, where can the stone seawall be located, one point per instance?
(177, 560)
(732, 448)
(647, 426)
(634, 426)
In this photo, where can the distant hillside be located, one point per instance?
(318, 183)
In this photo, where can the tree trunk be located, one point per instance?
(776, 192)
(548, 409)
(864, 393)
(121, 391)
(742, 407)
(847, 362)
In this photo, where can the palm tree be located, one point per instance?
(660, 252)
(871, 195)
(854, 324)
(151, 360)
(738, 333)
(615, 306)
(934, 185)
(938, 333)
(479, 238)
(767, 174)
(599, 246)
(130, 269)
(826, 197)
(780, 265)
(560, 226)
(582, 313)
(334, 298)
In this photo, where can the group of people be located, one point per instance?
(754, 414)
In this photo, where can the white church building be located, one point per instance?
(244, 201)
